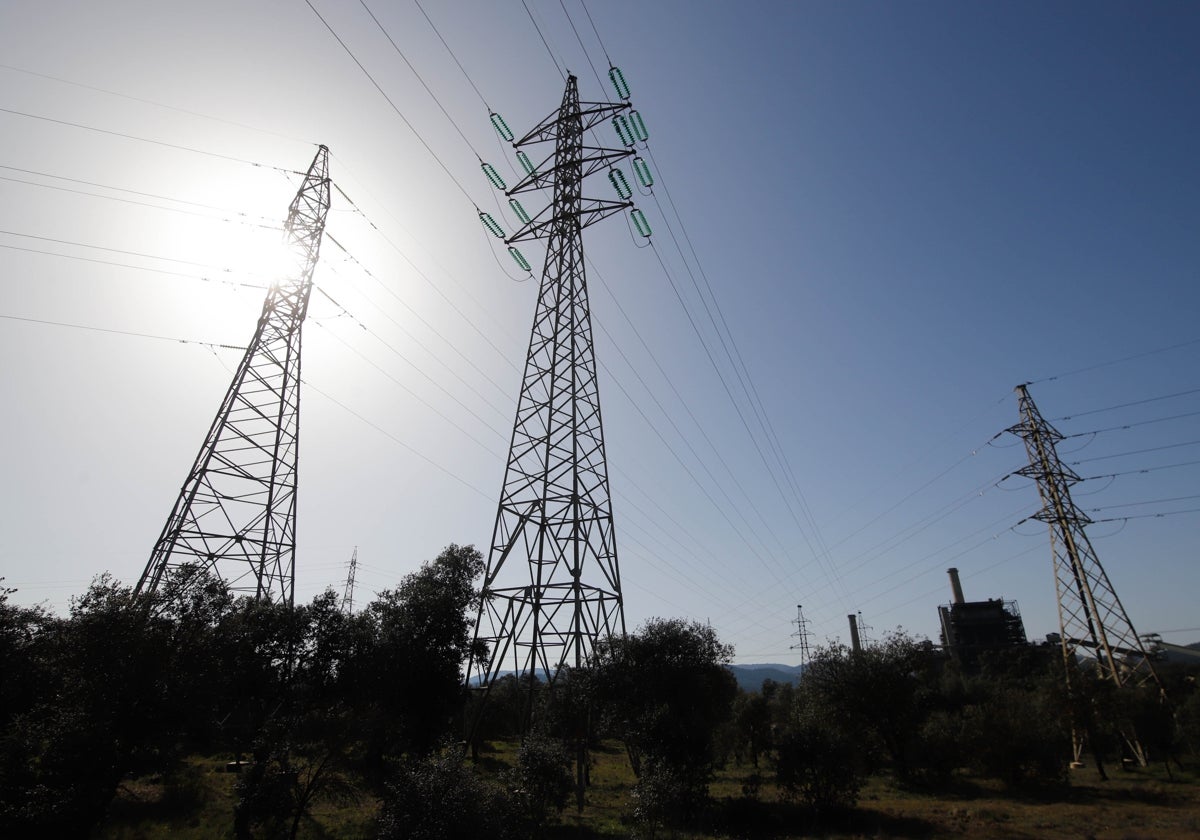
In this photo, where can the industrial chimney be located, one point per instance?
(855, 644)
(955, 585)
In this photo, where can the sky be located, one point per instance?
(871, 221)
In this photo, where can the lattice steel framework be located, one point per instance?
(236, 512)
(1090, 614)
(552, 585)
(801, 636)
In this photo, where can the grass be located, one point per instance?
(1139, 805)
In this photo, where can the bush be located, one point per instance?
(666, 795)
(439, 798)
(1015, 737)
(819, 764)
(542, 778)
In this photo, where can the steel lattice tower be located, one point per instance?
(1090, 614)
(801, 635)
(348, 592)
(552, 586)
(236, 512)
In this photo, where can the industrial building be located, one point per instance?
(971, 628)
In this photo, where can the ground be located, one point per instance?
(1130, 806)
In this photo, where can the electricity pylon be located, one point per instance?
(348, 593)
(552, 588)
(1090, 614)
(236, 512)
(801, 635)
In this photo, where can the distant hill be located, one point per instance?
(750, 677)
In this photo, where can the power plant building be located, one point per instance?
(971, 628)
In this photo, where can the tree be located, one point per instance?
(411, 679)
(881, 690)
(664, 690)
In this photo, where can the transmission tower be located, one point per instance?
(236, 512)
(1090, 614)
(348, 592)
(552, 587)
(801, 636)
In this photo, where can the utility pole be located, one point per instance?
(236, 512)
(1090, 614)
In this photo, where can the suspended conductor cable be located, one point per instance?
(118, 189)
(1167, 349)
(1143, 470)
(599, 40)
(470, 81)
(395, 108)
(136, 267)
(192, 149)
(137, 203)
(1147, 515)
(1135, 452)
(545, 43)
(154, 103)
(209, 344)
(432, 95)
(586, 55)
(436, 288)
(1125, 426)
(397, 441)
(1128, 404)
(1140, 504)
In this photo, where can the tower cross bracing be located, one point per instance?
(552, 586)
(236, 512)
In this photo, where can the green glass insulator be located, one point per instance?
(617, 178)
(519, 257)
(639, 126)
(618, 80)
(488, 222)
(621, 126)
(642, 170)
(639, 221)
(493, 176)
(501, 127)
(525, 162)
(519, 211)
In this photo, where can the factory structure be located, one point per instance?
(972, 628)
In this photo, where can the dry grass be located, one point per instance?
(1131, 806)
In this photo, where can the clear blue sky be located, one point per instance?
(902, 209)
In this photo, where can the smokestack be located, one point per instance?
(955, 585)
(855, 644)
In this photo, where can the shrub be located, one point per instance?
(439, 798)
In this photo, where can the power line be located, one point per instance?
(393, 105)
(432, 95)
(1141, 355)
(1139, 504)
(1135, 452)
(545, 43)
(154, 103)
(134, 267)
(209, 344)
(452, 55)
(1125, 426)
(192, 149)
(1128, 404)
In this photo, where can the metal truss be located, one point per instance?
(236, 512)
(1090, 614)
(552, 586)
